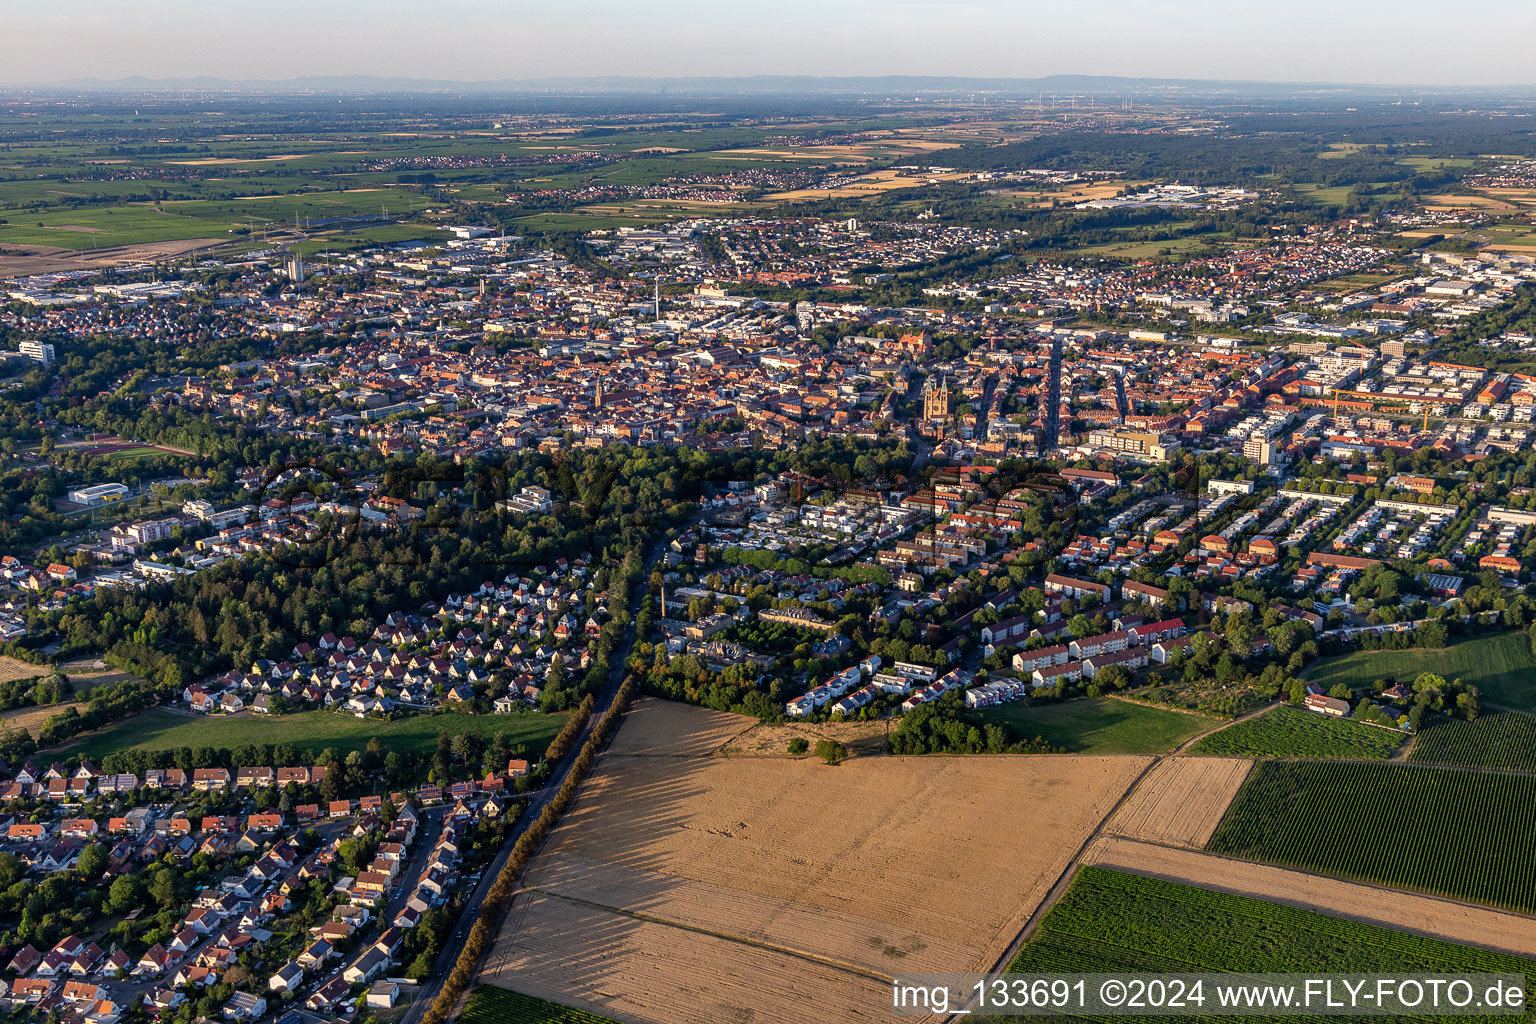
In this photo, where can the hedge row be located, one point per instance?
(481, 935)
(561, 744)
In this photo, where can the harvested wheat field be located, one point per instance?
(1181, 801)
(865, 185)
(1471, 202)
(1078, 193)
(651, 730)
(1519, 196)
(14, 668)
(32, 719)
(861, 738)
(19, 261)
(711, 881)
(1427, 915)
(638, 970)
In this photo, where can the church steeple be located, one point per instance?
(936, 400)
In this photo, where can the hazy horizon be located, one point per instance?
(1362, 42)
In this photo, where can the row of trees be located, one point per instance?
(523, 851)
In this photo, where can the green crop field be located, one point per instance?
(491, 1005)
(1144, 250)
(1503, 740)
(1335, 195)
(1100, 726)
(90, 227)
(361, 238)
(1292, 732)
(629, 215)
(1500, 666)
(1465, 834)
(1110, 921)
(167, 730)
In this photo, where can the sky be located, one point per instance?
(1474, 42)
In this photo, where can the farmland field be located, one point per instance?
(1181, 801)
(1100, 726)
(1423, 915)
(491, 1005)
(685, 886)
(1112, 921)
(1137, 250)
(1504, 740)
(1500, 666)
(12, 669)
(1462, 834)
(861, 738)
(168, 730)
(32, 718)
(1292, 732)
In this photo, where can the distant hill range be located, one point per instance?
(884, 86)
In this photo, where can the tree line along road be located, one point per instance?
(427, 992)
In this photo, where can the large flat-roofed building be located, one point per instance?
(1259, 450)
(1229, 486)
(1136, 443)
(98, 494)
(529, 499)
(801, 617)
(37, 351)
(1520, 517)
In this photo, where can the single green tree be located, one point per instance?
(831, 751)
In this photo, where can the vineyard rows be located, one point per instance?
(1292, 732)
(1110, 921)
(1465, 834)
(491, 1005)
(1504, 740)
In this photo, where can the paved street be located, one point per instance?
(427, 992)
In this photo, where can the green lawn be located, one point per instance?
(165, 730)
(1100, 726)
(1500, 666)
(1335, 195)
(491, 1005)
(1292, 732)
(138, 453)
